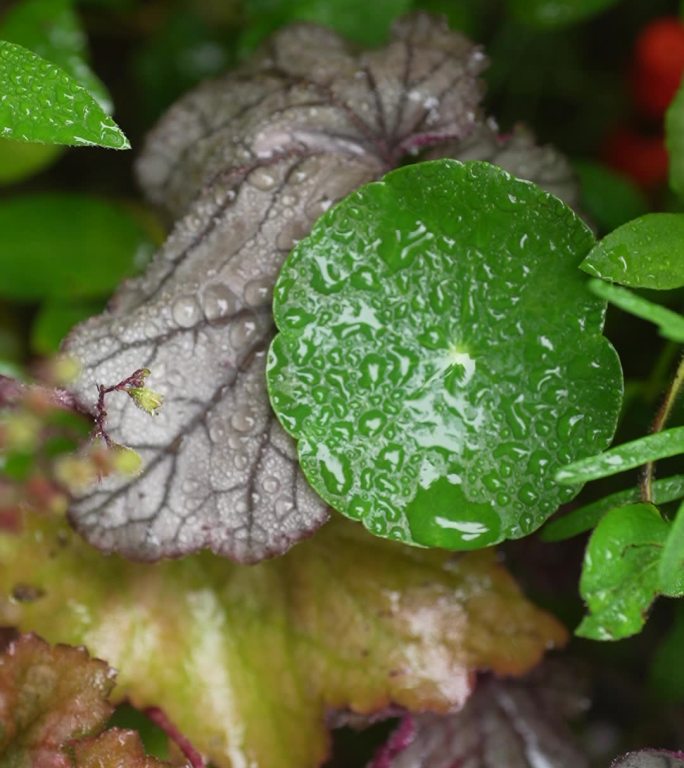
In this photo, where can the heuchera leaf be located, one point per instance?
(506, 723)
(271, 146)
(42, 103)
(620, 574)
(53, 700)
(247, 662)
(439, 357)
(647, 252)
(51, 29)
(650, 758)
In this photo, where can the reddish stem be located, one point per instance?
(160, 719)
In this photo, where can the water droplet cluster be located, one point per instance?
(439, 357)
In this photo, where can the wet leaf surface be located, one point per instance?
(644, 253)
(650, 758)
(42, 103)
(511, 723)
(247, 662)
(271, 147)
(620, 573)
(53, 702)
(439, 356)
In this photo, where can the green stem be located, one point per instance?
(658, 425)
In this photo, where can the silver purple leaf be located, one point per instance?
(248, 163)
(520, 155)
(505, 724)
(650, 758)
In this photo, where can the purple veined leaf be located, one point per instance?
(520, 155)
(506, 723)
(249, 161)
(650, 758)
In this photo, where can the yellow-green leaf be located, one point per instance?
(247, 661)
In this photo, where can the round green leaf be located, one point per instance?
(67, 246)
(556, 13)
(440, 357)
(647, 252)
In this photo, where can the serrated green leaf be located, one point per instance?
(609, 198)
(670, 324)
(248, 662)
(671, 566)
(51, 29)
(556, 13)
(67, 246)
(620, 574)
(661, 445)
(426, 364)
(586, 517)
(647, 252)
(674, 140)
(42, 103)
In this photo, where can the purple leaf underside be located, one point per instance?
(248, 162)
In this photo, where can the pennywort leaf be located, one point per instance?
(586, 517)
(41, 103)
(647, 252)
(670, 324)
(660, 445)
(620, 574)
(406, 321)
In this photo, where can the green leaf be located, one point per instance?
(364, 23)
(586, 517)
(674, 140)
(426, 363)
(645, 253)
(55, 319)
(609, 198)
(42, 103)
(67, 246)
(669, 442)
(248, 662)
(620, 574)
(666, 674)
(671, 567)
(18, 159)
(556, 13)
(670, 324)
(51, 29)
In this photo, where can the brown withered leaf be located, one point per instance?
(53, 702)
(505, 724)
(249, 161)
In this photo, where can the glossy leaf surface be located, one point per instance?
(620, 573)
(660, 445)
(586, 517)
(51, 29)
(670, 324)
(647, 252)
(41, 103)
(511, 723)
(671, 565)
(248, 162)
(246, 662)
(425, 361)
(67, 246)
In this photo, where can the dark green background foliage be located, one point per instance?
(72, 225)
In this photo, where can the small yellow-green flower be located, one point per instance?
(146, 399)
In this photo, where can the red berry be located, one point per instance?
(643, 158)
(658, 65)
